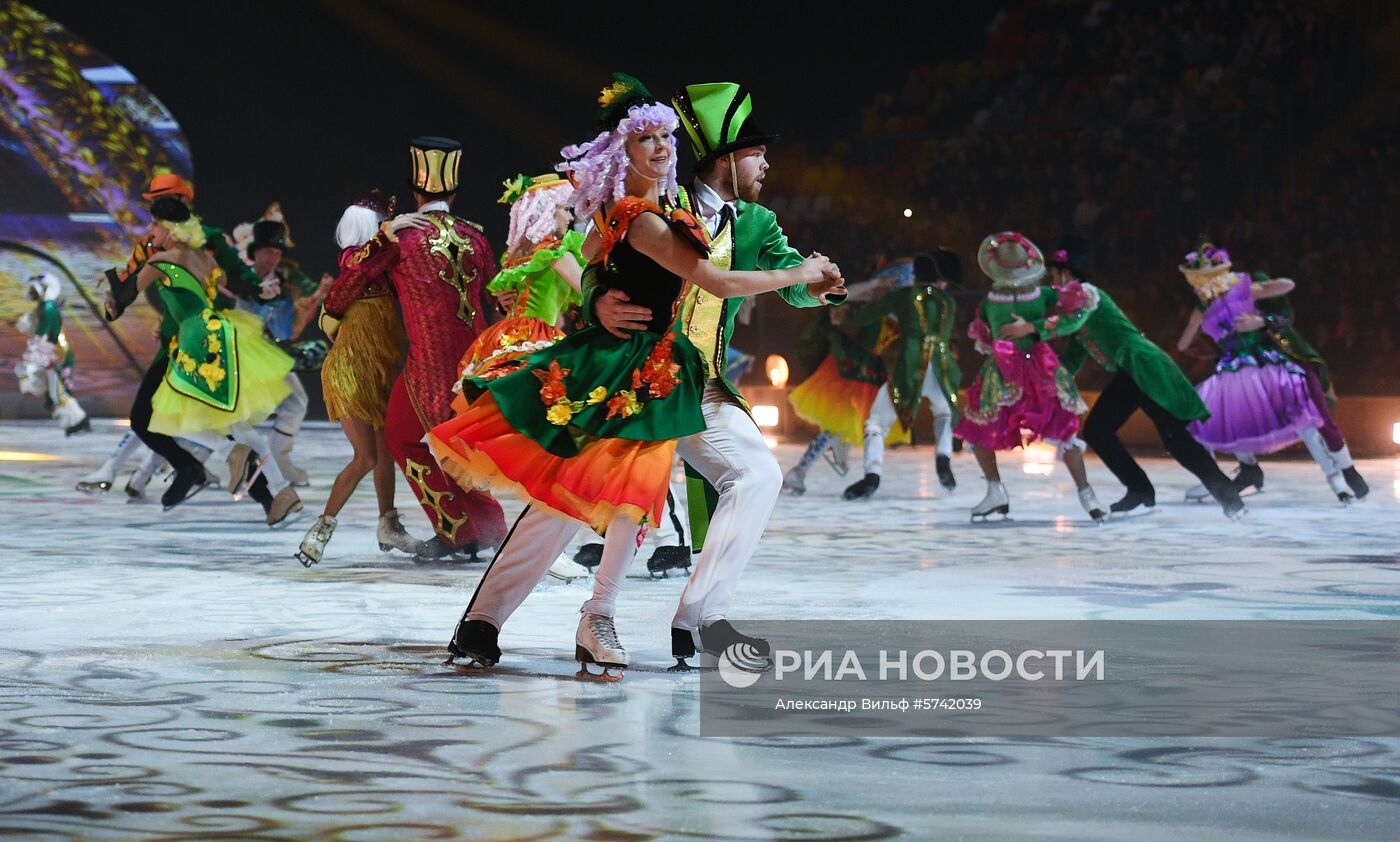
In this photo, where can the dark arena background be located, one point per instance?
(172, 672)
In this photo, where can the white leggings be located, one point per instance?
(883, 416)
(243, 433)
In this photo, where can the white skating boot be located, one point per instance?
(997, 501)
(1199, 494)
(794, 483)
(1091, 504)
(596, 642)
(141, 477)
(100, 481)
(281, 446)
(392, 535)
(566, 569)
(313, 546)
(70, 416)
(1341, 489)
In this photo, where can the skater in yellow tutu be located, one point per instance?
(223, 376)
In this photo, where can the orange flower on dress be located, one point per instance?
(553, 390)
(659, 371)
(624, 403)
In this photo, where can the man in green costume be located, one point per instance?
(924, 366)
(1145, 378)
(733, 479)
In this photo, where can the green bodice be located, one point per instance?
(203, 358)
(540, 292)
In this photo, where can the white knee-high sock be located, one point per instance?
(619, 545)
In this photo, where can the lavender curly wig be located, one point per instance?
(532, 215)
(600, 166)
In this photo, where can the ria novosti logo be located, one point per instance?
(742, 664)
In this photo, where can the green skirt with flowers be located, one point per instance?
(586, 427)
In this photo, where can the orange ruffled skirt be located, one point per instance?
(500, 348)
(608, 477)
(838, 405)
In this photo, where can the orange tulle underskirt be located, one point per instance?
(838, 405)
(609, 477)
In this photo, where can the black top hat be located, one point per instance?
(942, 265)
(269, 233)
(170, 209)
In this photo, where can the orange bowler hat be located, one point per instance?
(170, 184)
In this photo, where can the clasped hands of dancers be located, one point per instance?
(584, 425)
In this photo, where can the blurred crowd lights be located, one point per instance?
(767, 416)
(777, 367)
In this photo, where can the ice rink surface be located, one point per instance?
(179, 675)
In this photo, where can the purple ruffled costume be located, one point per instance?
(1258, 398)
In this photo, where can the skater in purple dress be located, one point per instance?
(1260, 399)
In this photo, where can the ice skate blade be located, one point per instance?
(194, 489)
(982, 517)
(94, 487)
(584, 658)
(607, 676)
(470, 665)
(306, 560)
(1132, 514)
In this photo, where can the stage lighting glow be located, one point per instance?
(771, 441)
(1038, 459)
(26, 456)
(777, 368)
(908, 212)
(1395, 433)
(766, 416)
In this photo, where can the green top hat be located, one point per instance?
(718, 118)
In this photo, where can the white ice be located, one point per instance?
(179, 673)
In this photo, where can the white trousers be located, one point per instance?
(291, 412)
(882, 419)
(730, 453)
(533, 543)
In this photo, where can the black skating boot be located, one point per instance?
(589, 555)
(668, 558)
(475, 643)
(1358, 486)
(185, 485)
(1248, 476)
(468, 552)
(944, 466)
(1135, 502)
(682, 647)
(82, 426)
(750, 654)
(433, 549)
(863, 489)
(1229, 500)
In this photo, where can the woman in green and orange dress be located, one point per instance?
(585, 430)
